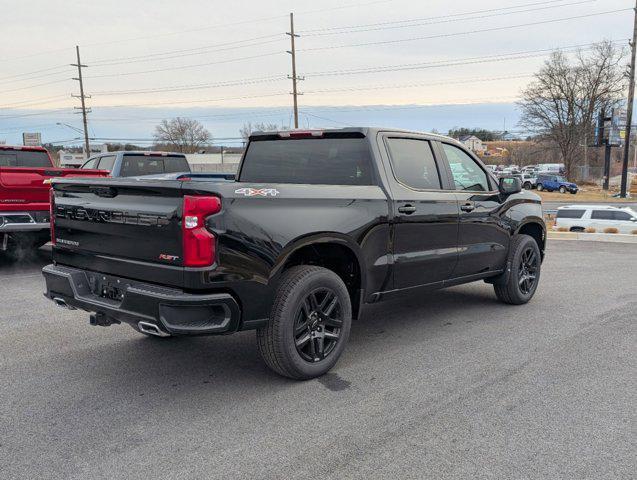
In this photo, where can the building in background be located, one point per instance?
(473, 143)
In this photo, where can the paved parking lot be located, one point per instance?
(447, 385)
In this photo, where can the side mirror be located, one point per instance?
(510, 185)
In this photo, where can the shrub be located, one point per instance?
(590, 230)
(611, 230)
(562, 229)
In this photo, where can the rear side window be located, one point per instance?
(622, 216)
(610, 215)
(320, 161)
(135, 165)
(603, 215)
(24, 158)
(570, 213)
(413, 163)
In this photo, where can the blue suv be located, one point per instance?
(551, 183)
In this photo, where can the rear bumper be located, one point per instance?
(24, 221)
(171, 310)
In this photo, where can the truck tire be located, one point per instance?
(527, 186)
(524, 262)
(309, 323)
(562, 189)
(540, 187)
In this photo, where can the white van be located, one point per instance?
(579, 217)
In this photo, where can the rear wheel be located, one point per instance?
(309, 324)
(527, 185)
(540, 187)
(562, 189)
(525, 262)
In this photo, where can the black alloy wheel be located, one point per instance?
(527, 272)
(317, 326)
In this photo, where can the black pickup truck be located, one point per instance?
(316, 224)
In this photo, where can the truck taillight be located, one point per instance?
(198, 242)
(52, 214)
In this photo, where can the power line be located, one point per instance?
(468, 32)
(445, 63)
(28, 74)
(190, 51)
(34, 102)
(178, 102)
(36, 85)
(438, 20)
(176, 88)
(182, 67)
(47, 112)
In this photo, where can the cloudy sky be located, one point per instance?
(413, 64)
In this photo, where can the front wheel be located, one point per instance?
(309, 324)
(524, 261)
(540, 187)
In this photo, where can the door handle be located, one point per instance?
(407, 209)
(468, 207)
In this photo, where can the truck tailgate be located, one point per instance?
(118, 220)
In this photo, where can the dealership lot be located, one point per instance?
(448, 385)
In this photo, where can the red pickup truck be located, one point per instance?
(24, 194)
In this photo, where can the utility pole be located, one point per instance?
(82, 98)
(629, 106)
(294, 78)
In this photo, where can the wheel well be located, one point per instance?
(535, 231)
(336, 257)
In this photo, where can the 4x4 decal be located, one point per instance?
(257, 192)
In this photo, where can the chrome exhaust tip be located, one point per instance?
(60, 302)
(151, 329)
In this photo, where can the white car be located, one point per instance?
(579, 217)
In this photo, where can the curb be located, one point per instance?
(592, 237)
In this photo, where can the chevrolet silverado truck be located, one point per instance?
(316, 224)
(25, 173)
(138, 163)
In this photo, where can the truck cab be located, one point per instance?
(138, 163)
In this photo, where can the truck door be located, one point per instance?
(425, 217)
(483, 240)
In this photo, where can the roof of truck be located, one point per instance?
(22, 147)
(366, 131)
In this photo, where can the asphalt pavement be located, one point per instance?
(451, 384)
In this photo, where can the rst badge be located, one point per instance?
(257, 192)
(170, 258)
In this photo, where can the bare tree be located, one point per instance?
(249, 127)
(182, 134)
(562, 103)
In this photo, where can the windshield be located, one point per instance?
(562, 179)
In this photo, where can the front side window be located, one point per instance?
(413, 163)
(467, 174)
